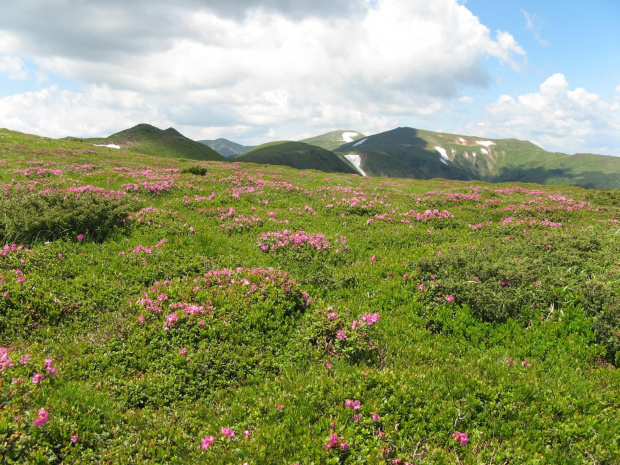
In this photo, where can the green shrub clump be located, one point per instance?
(57, 214)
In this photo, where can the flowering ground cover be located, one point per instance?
(167, 311)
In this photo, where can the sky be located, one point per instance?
(259, 71)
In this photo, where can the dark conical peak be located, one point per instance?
(173, 132)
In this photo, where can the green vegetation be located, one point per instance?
(150, 140)
(159, 310)
(412, 153)
(226, 147)
(333, 140)
(297, 155)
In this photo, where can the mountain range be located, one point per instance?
(150, 140)
(225, 147)
(401, 152)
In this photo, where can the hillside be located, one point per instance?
(402, 153)
(239, 313)
(467, 157)
(150, 140)
(333, 140)
(297, 155)
(225, 147)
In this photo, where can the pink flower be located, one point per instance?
(421, 287)
(373, 258)
(279, 407)
(461, 437)
(182, 351)
(332, 315)
(525, 363)
(352, 404)
(449, 298)
(247, 433)
(510, 362)
(341, 335)
(355, 324)
(80, 237)
(37, 378)
(357, 418)
(74, 439)
(140, 319)
(328, 364)
(206, 442)
(375, 417)
(405, 276)
(371, 318)
(43, 418)
(49, 366)
(25, 359)
(227, 432)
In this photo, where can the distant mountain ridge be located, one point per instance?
(334, 139)
(401, 152)
(225, 147)
(297, 155)
(414, 153)
(168, 143)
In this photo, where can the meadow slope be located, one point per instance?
(158, 310)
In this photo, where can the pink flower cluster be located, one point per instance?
(294, 240)
(461, 438)
(335, 441)
(149, 250)
(352, 404)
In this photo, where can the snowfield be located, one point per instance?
(347, 136)
(357, 162)
(110, 146)
(486, 143)
(444, 156)
(360, 142)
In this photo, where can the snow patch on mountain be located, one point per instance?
(461, 140)
(485, 151)
(360, 142)
(110, 146)
(348, 136)
(444, 156)
(486, 143)
(356, 160)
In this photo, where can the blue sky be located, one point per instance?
(256, 71)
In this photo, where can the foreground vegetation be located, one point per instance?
(168, 311)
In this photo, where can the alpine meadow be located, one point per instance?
(190, 309)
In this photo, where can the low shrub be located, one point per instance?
(58, 214)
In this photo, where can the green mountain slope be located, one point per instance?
(455, 156)
(415, 159)
(225, 147)
(168, 143)
(297, 155)
(333, 140)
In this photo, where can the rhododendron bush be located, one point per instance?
(156, 310)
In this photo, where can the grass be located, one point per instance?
(174, 322)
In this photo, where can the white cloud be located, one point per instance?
(274, 67)
(55, 112)
(532, 23)
(556, 118)
(13, 68)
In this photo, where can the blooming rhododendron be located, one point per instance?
(206, 442)
(461, 438)
(228, 432)
(43, 418)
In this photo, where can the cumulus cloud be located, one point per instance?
(55, 112)
(556, 118)
(283, 65)
(13, 68)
